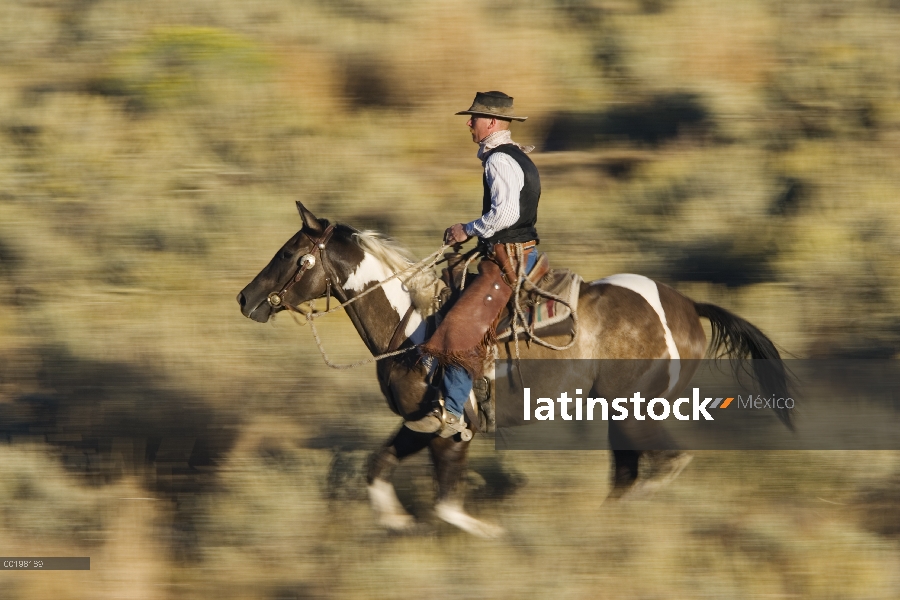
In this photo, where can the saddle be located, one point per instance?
(542, 312)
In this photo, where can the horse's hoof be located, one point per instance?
(639, 491)
(396, 519)
(670, 468)
(658, 479)
(397, 523)
(456, 516)
(618, 491)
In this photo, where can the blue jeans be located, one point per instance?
(457, 382)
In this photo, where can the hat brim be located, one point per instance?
(481, 113)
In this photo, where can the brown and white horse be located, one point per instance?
(620, 317)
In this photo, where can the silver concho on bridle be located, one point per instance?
(307, 262)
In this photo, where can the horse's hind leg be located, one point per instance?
(450, 459)
(382, 464)
(625, 471)
(664, 465)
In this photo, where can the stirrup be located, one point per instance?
(454, 425)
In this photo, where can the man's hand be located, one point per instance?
(455, 234)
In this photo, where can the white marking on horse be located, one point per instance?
(386, 505)
(650, 292)
(415, 328)
(372, 270)
(369, 270)
(453, 513)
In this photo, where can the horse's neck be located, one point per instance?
(377, 315)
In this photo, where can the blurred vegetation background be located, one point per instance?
(150, 155)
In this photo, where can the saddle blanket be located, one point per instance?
(541, 313)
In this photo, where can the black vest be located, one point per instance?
(522, 230)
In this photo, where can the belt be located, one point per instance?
(526, 246)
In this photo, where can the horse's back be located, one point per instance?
(636, 317)
(622, 318)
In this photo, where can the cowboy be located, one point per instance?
(506, 232)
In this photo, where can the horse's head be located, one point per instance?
(296, 274)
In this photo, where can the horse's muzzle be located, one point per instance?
(259, 313)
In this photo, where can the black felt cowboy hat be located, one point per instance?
(493, 104)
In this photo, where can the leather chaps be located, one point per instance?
(467, 331)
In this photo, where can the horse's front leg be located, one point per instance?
(450, 458)
(382, 496)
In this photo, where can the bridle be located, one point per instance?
(307, 262)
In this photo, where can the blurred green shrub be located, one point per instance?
(843, 90)
(180, 65)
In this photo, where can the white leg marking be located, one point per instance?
(647, 288)
(387, 507)
(452, 513)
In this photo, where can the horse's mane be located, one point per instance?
(394, 256)
(423, 285)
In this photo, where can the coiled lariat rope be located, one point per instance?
(518, 316)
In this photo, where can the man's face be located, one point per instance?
(480, 127)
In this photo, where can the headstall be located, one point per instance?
(307, 262)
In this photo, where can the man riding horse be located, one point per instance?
(507, 235)
(624, 317)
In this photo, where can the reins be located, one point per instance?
(426, 263)
(308, 261)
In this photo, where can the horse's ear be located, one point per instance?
(309, 220)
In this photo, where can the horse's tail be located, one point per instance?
(736, 338)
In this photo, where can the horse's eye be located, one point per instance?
(286, 254)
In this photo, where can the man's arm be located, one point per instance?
(505, 180)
